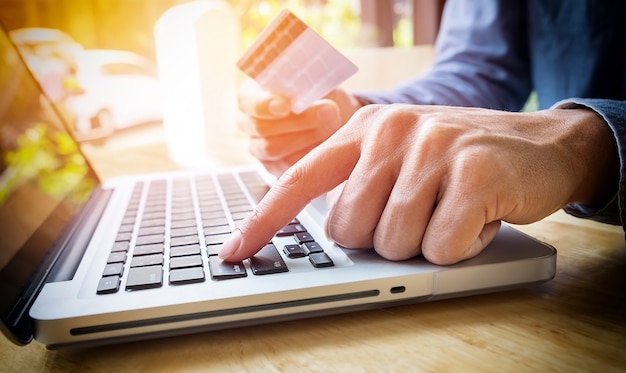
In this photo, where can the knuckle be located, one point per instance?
(396, 253)
(477, 173)
(442, 256)
(341, 229)
(343, 237)
(292, 176)
(387, 127)
(400, 125)
(293, 181)
(337, 234)
(435, 130)
(391, 248)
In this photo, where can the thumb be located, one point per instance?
(259, 103)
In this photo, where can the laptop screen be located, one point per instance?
(44, 179)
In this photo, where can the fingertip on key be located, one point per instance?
(230, 246)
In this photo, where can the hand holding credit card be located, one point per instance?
(291, 59)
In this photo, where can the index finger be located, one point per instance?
(318, 172)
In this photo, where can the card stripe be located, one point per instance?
(271, 43)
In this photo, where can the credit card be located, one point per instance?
(291, 59)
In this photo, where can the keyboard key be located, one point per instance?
(312, 247)
(186, 240)
(187, 231)
(186, 275)
(216, 239)
(206, 223)
(183, 216)
(291, 229)
(117, 257)
(144, 278)
(130, 216)
(148, 249)
(267, 261)
(123, 236)
(184, 250)
(320, 260)
(154, 210)
(213, 249)
(147, 260)
(108, 285)
(220, 229)
(127, 227)
(120, 246)
(150, 239)
(294, 251)
(221, 270)
(152, 222)
(303, 237)
(213, 214)
(240, 215)
(186, 261)
(240, 208)
(182, 208)
(156, 214)
(258, 192)
(148, 231)
(113, 269)
(183, 223)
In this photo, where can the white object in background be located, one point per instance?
(197, 45)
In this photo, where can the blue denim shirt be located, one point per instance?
(494, 53)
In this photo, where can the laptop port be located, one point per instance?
(397, 289)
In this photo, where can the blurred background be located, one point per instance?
(84, 51)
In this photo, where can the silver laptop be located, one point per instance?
(85, 262)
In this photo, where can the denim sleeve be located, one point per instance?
(614, 113)
(481, 60)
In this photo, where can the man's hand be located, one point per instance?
(279, 138)
(437, 181)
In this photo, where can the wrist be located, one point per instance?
(599, 181)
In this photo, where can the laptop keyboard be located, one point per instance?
(172, 231)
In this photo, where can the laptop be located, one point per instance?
(85, 262)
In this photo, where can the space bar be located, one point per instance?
(267, 261)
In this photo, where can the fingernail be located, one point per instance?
(231, 245)
(278, 106)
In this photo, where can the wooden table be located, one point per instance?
(576, 322)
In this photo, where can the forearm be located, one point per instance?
(481, 61)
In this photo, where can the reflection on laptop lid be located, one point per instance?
(44, 181)
(84, 263)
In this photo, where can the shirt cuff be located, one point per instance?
(611, 212)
